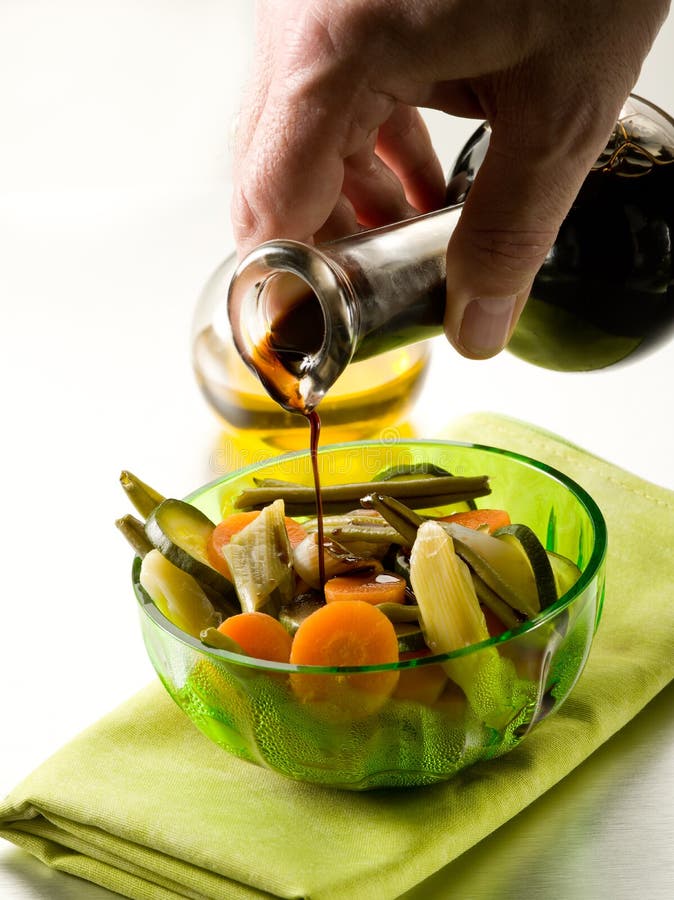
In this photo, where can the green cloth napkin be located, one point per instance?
(145, 805)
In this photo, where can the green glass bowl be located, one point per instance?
(428, 729)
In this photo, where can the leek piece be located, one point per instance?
(260, 560)
(337, 559)
(451, 619)
(447, 601)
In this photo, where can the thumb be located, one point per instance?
(509, 222)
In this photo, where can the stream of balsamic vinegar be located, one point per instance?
(275, 364)
(315, 433)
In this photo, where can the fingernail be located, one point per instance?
(485, 325)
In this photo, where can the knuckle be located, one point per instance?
(405, 124)
(322, 33)
(331, 36)
(511, 254)
(244, 218)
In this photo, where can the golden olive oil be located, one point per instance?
(370, 398)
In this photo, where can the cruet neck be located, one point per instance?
(301, 313)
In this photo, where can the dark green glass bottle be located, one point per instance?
(605, 293)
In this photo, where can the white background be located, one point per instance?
(114, 190)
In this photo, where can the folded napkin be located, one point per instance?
(145, 805)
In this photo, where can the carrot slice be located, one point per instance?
(451, 704)
(381, 587)
(494, 625)
(260, 635)
(348, 633)
(423, 684)
(225, 531)
(296, 532)
(477, 518)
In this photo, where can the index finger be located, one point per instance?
(290, 174)
(290, 179)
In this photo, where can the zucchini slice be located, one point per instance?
(565, 572)
(502, 566)
(524, 539)
(181, 532)
(293, 614)
(401, 564)
(177, 595)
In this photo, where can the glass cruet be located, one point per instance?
(370, 398)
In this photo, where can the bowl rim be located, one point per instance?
(592, 567)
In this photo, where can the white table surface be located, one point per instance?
(114, 189)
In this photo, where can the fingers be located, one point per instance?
(520, 196)
(341, 221)
(290, 178)
(296, 179)
(507, 226)
(316, 111)
(305, 162)
(374, 190)
(404, 144)
(279, 141)
(551, 116)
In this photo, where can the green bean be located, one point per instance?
(219, 641)
(418, 493)
(399, 612)
(417, 470)
(143, 497)
(273, 482)
(349, 533)
(373, 529)
(134, 531)
(397, 514)
(355, 517)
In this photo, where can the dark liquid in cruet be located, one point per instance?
(605, 293)
(297, 331)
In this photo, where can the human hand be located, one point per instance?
(330, 138)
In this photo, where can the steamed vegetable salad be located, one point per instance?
(398, 585)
